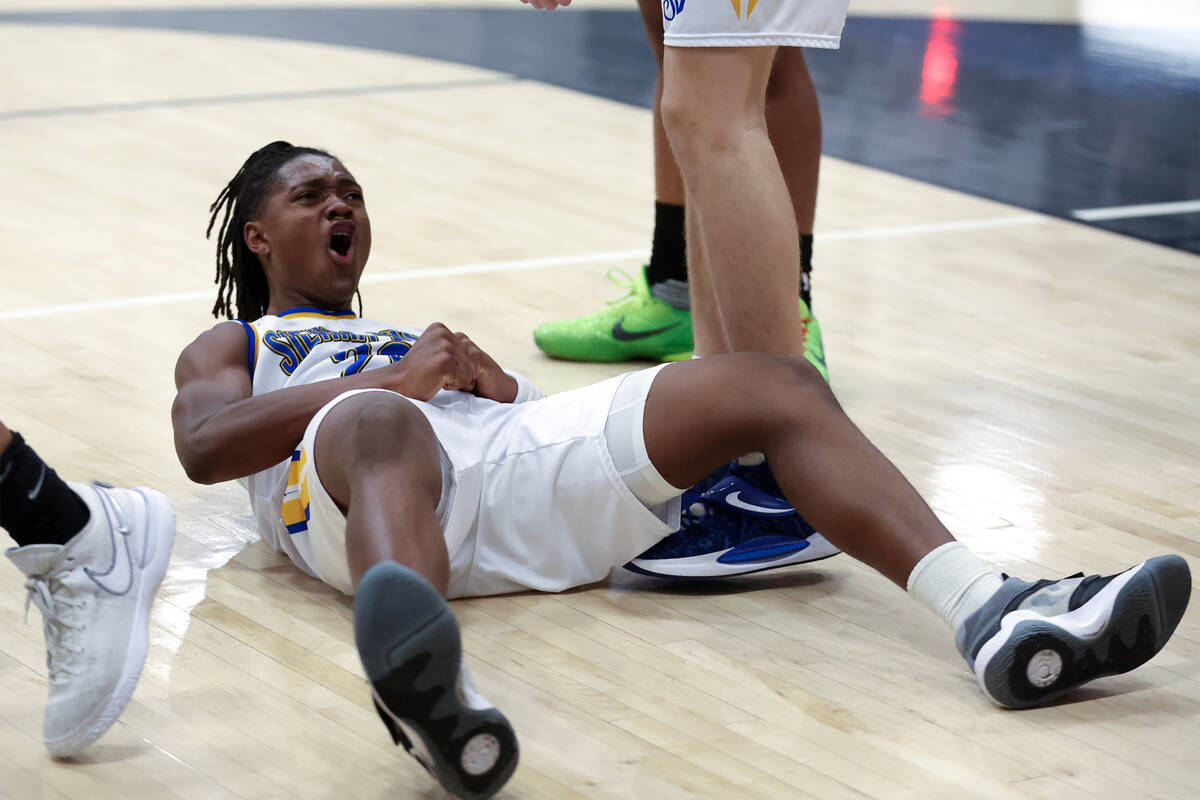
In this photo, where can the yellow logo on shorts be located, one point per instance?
(295, 508)
(737, 8)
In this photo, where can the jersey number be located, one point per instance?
(394, 350)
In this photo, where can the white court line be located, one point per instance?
(1144, 210)
(934, 227)
(520, 264)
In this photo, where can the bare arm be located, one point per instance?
(547, 5)
(222, 432)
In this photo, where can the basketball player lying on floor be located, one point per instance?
(408, 467)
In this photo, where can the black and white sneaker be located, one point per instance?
(1033, 642)
(409, 643)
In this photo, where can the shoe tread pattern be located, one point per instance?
(410, 643)
(1145, 614)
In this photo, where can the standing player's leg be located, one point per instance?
(660, 299)
(1026, 642)
(666, 274)
(654, 320)
(742, 261)
(794, 124)
(714, 113)
(793, 119)
(378, 459)
(93, 556)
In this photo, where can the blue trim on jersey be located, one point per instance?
(312, 311)
(301, 527)
(251, 346)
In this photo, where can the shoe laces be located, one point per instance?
(624, 280)
(50, 593)
(60, 621)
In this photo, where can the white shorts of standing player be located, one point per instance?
(754, 23)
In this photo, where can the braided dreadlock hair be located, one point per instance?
(239, 273)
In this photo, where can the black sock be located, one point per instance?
(36, 506)
(806, 242)
(668, 259)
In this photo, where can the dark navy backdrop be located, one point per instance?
(1047, 117)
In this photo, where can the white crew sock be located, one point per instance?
(953, 582)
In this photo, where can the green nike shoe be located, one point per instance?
(636, 326)
(814, 345)
(641, 326)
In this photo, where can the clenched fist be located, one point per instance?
(442, 359)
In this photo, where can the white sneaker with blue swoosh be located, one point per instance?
(95, 595)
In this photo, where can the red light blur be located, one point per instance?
(940, 69)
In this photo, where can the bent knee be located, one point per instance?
(791, 384)
(377, 427)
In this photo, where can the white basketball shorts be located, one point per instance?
(540, 505)
(754, 23)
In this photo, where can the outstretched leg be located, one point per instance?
(1027, 643)
(378, 458)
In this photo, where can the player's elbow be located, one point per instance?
(198, 456)
(199, 465)
(194, 444)
(200, 474)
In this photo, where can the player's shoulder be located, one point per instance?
(224, 334)
(222, 345)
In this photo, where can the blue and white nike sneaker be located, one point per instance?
(734, 522)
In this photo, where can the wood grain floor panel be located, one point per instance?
(1035, 381)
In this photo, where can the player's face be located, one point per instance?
(313, 234)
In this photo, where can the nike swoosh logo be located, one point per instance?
(621, 335)
(37, 487)
(735, 499)
(118, 579)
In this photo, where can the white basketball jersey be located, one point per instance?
(535, 501)
(306, 345)
(303, 346)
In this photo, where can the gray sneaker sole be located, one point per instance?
(1033, 660)
(409, 642)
